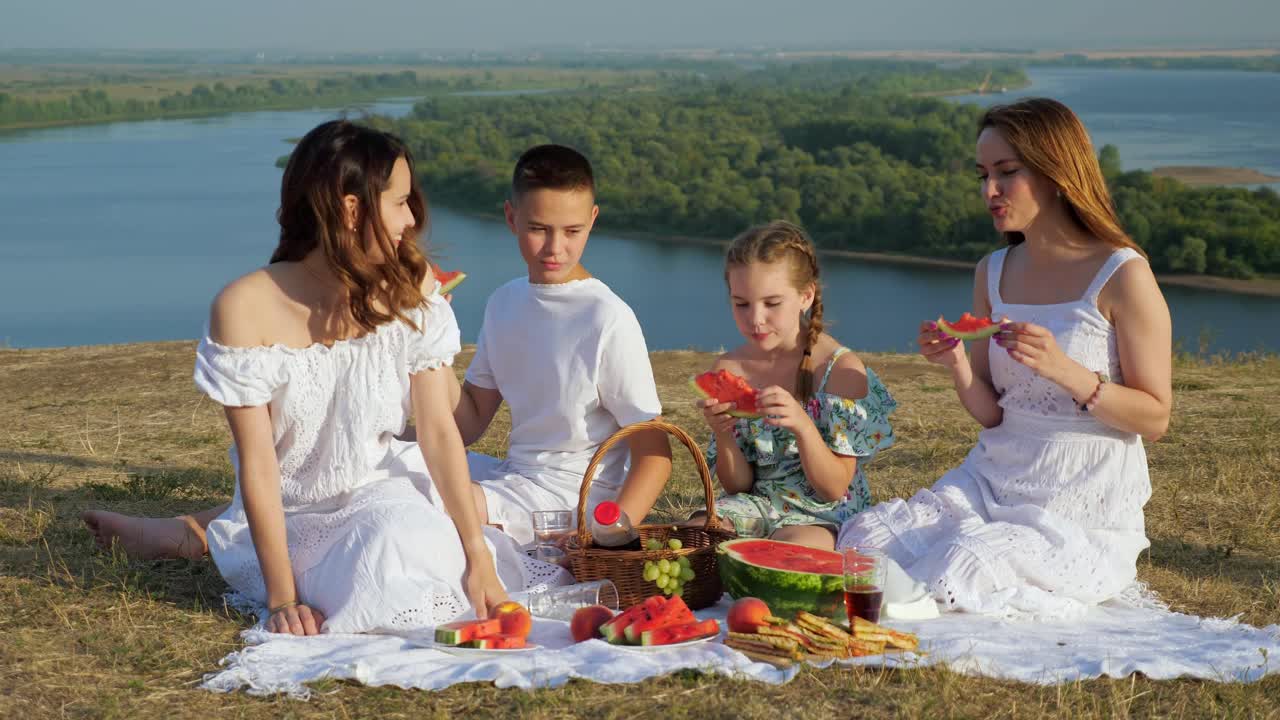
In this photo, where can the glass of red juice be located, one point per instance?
(863, 583)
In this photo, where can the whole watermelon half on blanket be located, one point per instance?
(727, 387)
(786, 576)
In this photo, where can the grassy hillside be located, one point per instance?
(85, 634)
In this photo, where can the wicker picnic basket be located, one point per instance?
(625, 568)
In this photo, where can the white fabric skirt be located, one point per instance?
(381, 557)
(1042, 519)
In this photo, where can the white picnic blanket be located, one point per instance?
(1112, 640)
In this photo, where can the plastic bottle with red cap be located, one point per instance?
(610, 526)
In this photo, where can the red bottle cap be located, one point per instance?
(607, 513)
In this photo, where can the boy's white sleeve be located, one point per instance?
(479, 373)
(626, 385)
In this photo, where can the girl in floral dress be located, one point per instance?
(797, 473)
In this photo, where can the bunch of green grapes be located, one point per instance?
(669, 575)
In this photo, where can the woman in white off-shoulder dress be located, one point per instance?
(319, 359)
(1044, 517)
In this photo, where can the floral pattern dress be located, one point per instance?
(781, 495)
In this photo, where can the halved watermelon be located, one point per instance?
(727, 387)
(786, 576)
(448, 279)
(969, 327)
(674, 612)
(680, 633)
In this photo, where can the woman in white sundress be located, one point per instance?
(319, 359)
(1044, 516)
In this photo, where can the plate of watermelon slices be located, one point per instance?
(658, 623)
(464, 651)
(668, 646)
(507, 631)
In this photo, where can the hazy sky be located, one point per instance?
(371, 25)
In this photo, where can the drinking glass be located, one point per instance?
(864, 569)
(549, 527)
(559, 602)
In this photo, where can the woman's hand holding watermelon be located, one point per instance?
(938, 347)
(1035, 347)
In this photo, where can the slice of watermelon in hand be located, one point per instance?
(448, 279)
(724, 386)
(969, 327)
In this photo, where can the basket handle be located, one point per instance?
(699, 461)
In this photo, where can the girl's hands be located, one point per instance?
(717, 415)
(939, 347)
(1035, 347)
(295, 620)
(481, 584)
(781, 409)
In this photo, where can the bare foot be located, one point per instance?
(147, 538)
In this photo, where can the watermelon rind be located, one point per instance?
(982, 334)
(675, 634)
(447, 287)
(786, 592)
(460, 631)
(693, 383)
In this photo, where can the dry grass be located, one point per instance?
(87, 634)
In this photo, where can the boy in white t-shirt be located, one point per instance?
(569, 358)
(564, 351)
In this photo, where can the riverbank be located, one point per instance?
(99, 635)
(1261, 287)
(1207, 176)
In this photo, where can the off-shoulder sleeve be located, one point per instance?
(859, 427)
(239, 376)
(437, 340)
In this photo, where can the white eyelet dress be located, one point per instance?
(367, 547)
(1044, 516)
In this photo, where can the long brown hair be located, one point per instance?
(781, 241)
(336, 159)
(1052, 141)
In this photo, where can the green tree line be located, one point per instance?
(95, 105)
(861, 171)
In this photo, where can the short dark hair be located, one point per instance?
(553, 167)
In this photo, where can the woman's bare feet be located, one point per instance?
(147, 538)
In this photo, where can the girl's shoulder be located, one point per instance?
(247, 310)
(846, 374)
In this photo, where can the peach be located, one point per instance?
(515, 619)
(748, 614)
(587, 621)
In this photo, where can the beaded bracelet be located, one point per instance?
(1092, 401)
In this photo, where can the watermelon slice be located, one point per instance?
(680, 633)
(448, 280)
(496, 642)
(674, 612)
(727, 387)
(969, 327)
(461, 631)
(786, 576)
(614, 631)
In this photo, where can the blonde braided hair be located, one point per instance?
(781, 241)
